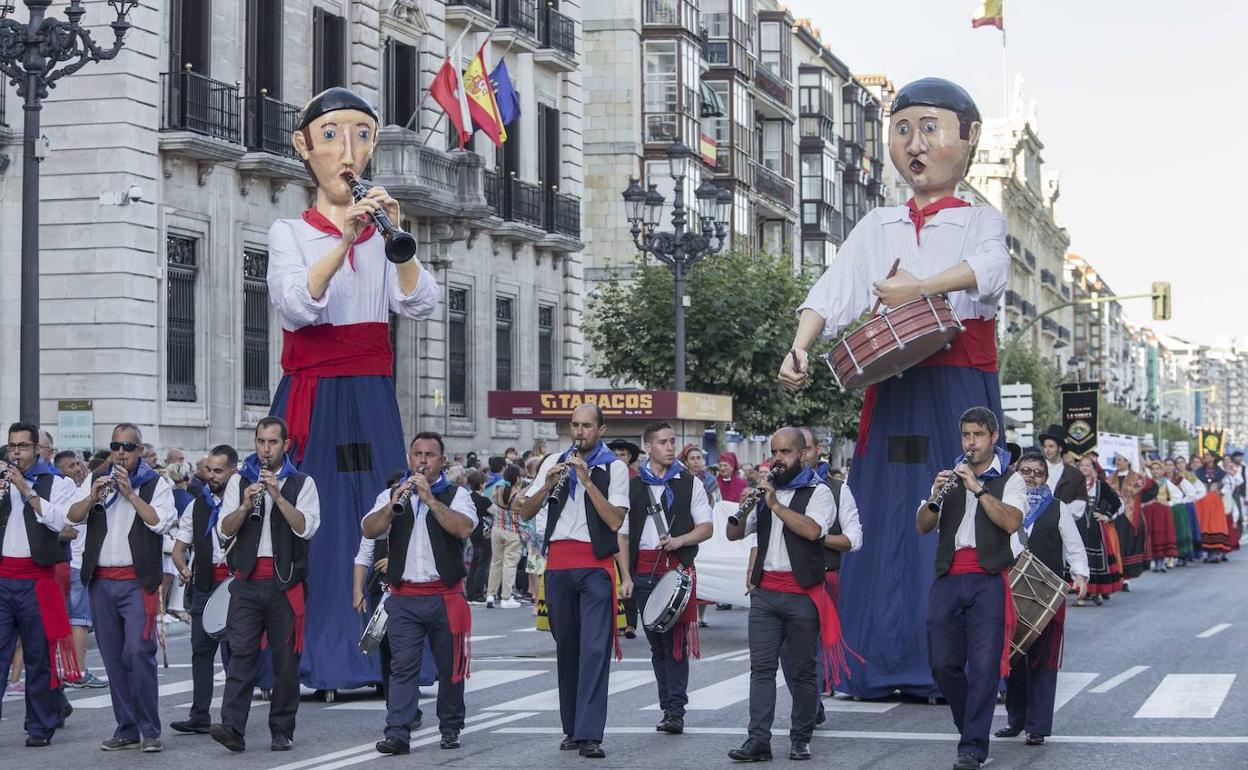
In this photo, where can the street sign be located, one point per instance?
(74, 420)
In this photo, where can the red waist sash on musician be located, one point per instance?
(577, 554)
(53, 615)
(325, 350)
(265, 570)
(834, 647)
(220, 572)
(966, 562)
(459, 617)
(659, 562)
(151, 601)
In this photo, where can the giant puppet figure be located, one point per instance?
(909, 428)
(334, 289)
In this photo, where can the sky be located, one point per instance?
(1140, 105)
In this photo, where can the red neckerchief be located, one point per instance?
(321, 222)
(919, 215)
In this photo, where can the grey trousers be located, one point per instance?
(777, 618)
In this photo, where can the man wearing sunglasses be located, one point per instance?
(128, 507)
(32, 609)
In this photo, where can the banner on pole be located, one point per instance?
(1079, 403)
(1212, 440)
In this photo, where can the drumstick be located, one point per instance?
(891, 272)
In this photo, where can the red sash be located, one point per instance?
(151, 601)
(577, 554)
(264, 570)
(325, 350)
(53, 615)
(459, 616)
(834, 646)
(966, 562)
(220, 572)
(660, 562)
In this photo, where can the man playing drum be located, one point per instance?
(665, 493)
(942, 246)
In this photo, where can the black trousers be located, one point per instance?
(203, 657)
(782, 620)
(672, 675)
(257, 608)
(479, 570)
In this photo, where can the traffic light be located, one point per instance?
(1161, 300)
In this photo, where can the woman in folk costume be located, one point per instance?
(1132, 534)
(909, 430)
(333, 289)
(1100, 540)
(1162, 538)
(1178, 512)
(1192, 491)
(1215, 535)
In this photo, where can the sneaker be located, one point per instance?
(509, 604)
(15, 688)
(489, 602)
(476, 602)
(169, 619)
(118, 744)
(151, 745)
(91, 681)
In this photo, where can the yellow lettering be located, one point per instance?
(647, 401)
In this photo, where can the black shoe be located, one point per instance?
(630, 633)
(800, 750)
(281, 743)
(1034, 740)
(37, 743)
(420, 717)
(450, 739)
(228, 737)
(1008, 731)
(67, 709)
(592, 750)
(1126, 588)
(671, 725)
(967, 762)
(200, 728)
(392, 746)
(821, 717)
(751, 751)
(568, 744)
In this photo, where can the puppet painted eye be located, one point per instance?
(364, 134)
(929, 126)
(903, 129)
(329, 134)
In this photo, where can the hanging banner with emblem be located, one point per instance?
(1212, 440)
(1079, 401)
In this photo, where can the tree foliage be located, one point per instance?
(1024, 364)
(739, 326)
(1112, 418)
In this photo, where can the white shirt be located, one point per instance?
(52, 514)
(571, 524)
(821, 508)
(419, 566)
(308, 503)
(1191, 493)
(972, 234)
(1014, 495)
(1073, 552)
(186, 529)
(77, 545)
(364, 556)
(699, 508)
(366, 294)
(115, 552)
(847, 516)
(1055, 475)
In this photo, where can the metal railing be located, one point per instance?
(771, 84)
(3, 93)
(270, 124)
(773, 185)
(558, 32)
(524, 203)
(565, 215)
(493, 191)
(483, 6)
(520, 15)
(197, 103)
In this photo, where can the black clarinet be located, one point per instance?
(400, 245)
(561, 484)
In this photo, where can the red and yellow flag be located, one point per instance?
(481, 102)
(990, 14)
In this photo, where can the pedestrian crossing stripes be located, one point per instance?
(480, 680)
(1068, 686)
(1187, 696)
(1113, 682)
(548, 700)
(1215, 630)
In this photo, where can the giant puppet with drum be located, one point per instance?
(935, 270)
(335, 274)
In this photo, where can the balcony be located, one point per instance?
(199, 121)
(557, 34)
(774, 87)
(817, 131)
(268, 125)
(827, 221)
(773, 185)
(1048, 326)
(493, 192)
(565, 215)
(1029, 258)
(1065, 291)
(428, 182)
(484, 6)
(1048, 279)
(1029, 310)
(524, 203)
(517, 24)
(1063, 333)
(1012, 299)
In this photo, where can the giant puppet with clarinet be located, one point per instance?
(935, 269)
(334, 275)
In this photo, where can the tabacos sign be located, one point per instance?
(639, 404)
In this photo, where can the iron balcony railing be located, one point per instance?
(483, 6)
(770, 83)
(270, 124)
(520, 15)
(565, 215)
(558, 32)
(492, 191)
(524, 203)
(197, 103)
(773, 185)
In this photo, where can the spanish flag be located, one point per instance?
(481, 102)
(991, 14)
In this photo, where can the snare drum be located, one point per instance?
(892, 342)
(217, 610)
(668, 599)
(1037, 592)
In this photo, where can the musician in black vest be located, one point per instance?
(33, 511)
(197, 528)
(966, 617)
(1064, 480)
(128, 507)
(788, 603)
(664, 488)
(1050, 533)
(271, 517)
(590, 504)
(425, 572)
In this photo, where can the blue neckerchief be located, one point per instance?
(600, 456)
(1003, 461)
(1038, 500)
(143, 473)
(251, 468)
(37, 469)
(650, 478)
(213, 504)
(822, 470)
(804, 478)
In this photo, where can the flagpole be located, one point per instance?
(1005, 80)
(470, 27)
(438, 122)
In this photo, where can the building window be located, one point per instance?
(661, 12)
(400, 89)
(503, 342)
(182, 266)
(255, 327)
(545, 347)
(457, 352)
(263, 70)
(770, 37)
(661, 90)
(329, 44)
(190, 35)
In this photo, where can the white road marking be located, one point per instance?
(370, 746)
(1219, 628)
(908, 736)
(480, 680)
(1068, 686)
(1113, 682)
(372, 753)
(483, 638)
(719, 695)
(727, 655)
(1187, 696)
(256, 703)
(548, 700)
(106, 700)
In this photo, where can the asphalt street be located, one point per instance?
(1154, 678)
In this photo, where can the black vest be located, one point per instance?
(601, 536)
(1045, 540)
(831, 556)
(679, 516)
(45, 547)
(448, 550)
(201, 543)
(805, 556)
(290, 552)
(146, 547)
(992, 544)
(1070, 487)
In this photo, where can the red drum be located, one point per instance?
(892, 342)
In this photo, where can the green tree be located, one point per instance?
(1112, 418)
(739, 326)
(1024, 364)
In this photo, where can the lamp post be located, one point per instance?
(29, 55)
(684, 245)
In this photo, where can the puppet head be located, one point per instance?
(336, 131)
(934, 128)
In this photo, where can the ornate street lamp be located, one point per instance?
(683, 246)
(29, 55)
